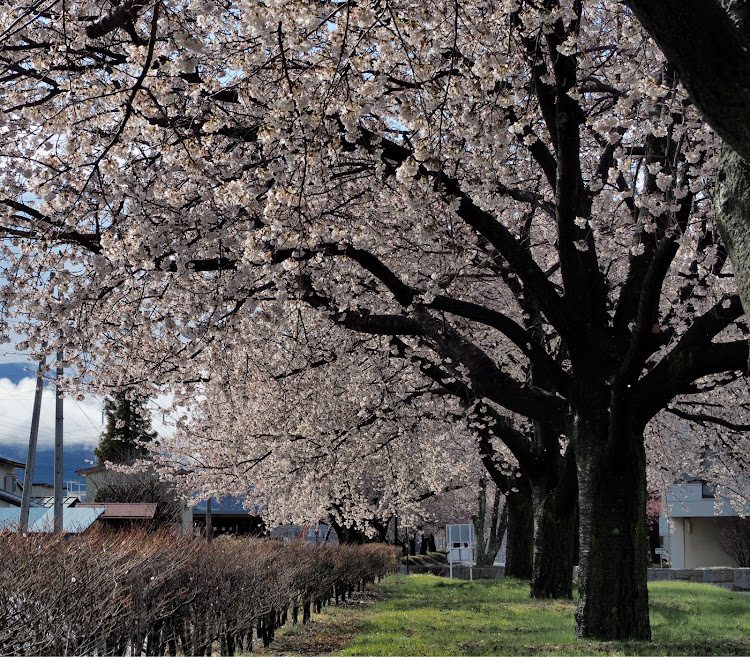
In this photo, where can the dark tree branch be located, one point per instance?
(645, 286)
(703, 419)
(520, 337)
(694, 356)
(486, 378)
(535, 280)
(120, 17)
(585, 287)
(90, 241)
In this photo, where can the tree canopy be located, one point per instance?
(505, 205)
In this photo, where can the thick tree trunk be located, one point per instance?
(488, 545)
(733, 214)
(554, 544)
(519, 548)
(707, 42)
(347, 535)
(613, 603)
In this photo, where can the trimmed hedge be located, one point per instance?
(154, 593)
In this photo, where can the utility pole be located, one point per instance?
(28, 478)
(58, 507)
(58, 482)
(408, 546)
(209, 522)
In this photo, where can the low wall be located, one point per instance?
(737, 579)
(459, 572)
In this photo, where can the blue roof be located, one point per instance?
(10, 498)
(9, 518)
(229, 505)
(42, 520)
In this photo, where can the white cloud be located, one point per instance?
(82, 419)
(162, 414)
(83, 422)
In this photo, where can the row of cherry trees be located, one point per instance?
(372, 245)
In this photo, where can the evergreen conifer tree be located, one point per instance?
(128, 427)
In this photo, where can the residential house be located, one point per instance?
(97, 477)
(135, 507)
(691, 526)
(11, 490)
(124, 515)
(10, 493)
(228, 516)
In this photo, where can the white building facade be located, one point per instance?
(691, 526)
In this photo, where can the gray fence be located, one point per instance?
(459, 572)
(737, 579)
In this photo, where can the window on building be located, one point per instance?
(9, 484)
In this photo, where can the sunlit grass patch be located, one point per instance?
(426, 615)
(700, 619)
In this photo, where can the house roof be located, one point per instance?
(10, 518)
(92, 470)
(228, 506)
(75, 521)
(10, 498)
(4, 460)
(123, 510)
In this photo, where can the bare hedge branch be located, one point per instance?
(156, 594)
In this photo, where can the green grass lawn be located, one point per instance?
(426, 615)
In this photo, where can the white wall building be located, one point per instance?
(691, 526)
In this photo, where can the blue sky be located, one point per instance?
(82, 423)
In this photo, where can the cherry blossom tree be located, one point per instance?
(489, 529)
(357, 442)
(508, 201)
(704, 437)
(353, 441)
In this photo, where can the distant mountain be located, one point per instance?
(74, 458)
(44, 469)
(17, 371)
